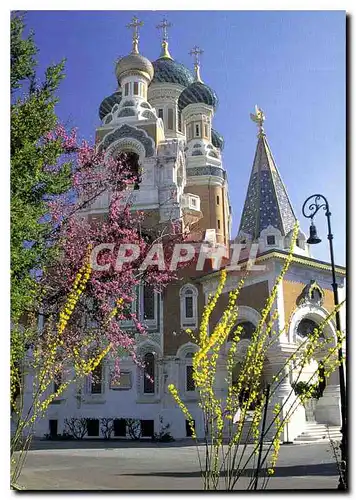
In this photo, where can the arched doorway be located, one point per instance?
(244, 392)
(247, 330)
(323, 406)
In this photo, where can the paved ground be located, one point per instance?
(150, 466)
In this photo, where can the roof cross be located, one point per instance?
(134, 25)
(196, 52)
(164, 25)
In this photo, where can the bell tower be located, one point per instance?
(206, 176)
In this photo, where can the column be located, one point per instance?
(282, 393)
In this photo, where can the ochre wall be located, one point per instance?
(254, 296)
(212, 212)
(291, 292)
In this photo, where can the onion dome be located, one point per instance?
(134, 63)
(197, 92)
(109, 102)
(166, 70)
(217, 139)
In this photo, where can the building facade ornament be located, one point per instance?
(129, 131)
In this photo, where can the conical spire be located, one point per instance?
(164, 25)
(267, 202)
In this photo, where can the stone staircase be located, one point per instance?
(318, 432)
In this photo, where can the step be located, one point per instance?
(318, 432)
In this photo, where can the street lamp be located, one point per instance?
(316, 202)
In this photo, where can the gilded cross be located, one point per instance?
(164, 25)
(134, 25)
(196, 52)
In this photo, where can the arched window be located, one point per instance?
(306, 327)
(189, 379)
(133, 163)
(188, 306)
(247, 330)
(149, 374)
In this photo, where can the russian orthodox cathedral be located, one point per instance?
(162, 115)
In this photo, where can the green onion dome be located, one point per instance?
(109, 102)
(217, 139)
(197, 92)
(166, 70)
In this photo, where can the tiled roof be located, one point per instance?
(267, 202)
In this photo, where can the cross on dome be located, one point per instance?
(134, 25)
(196, 52)
(164, 25)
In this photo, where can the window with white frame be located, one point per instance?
(148, 302)
(188, 306)
(189, 379)
(96, 380)
(145, 306)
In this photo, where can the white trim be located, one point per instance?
(315, 313)
(127, 144)
(186, 322)
(150, 323)
(146, 347)
(182, 352)
(184, 349)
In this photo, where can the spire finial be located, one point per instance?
(135, 24)
(196, 52)
(164, 25)
(259, 118)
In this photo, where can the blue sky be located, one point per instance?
(290, 63)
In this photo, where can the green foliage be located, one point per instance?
(32, 117)
(306, 390)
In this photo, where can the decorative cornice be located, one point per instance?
(282, 256)
(129, 131)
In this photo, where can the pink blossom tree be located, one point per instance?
(110, 290)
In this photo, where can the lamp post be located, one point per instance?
(313, 204)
